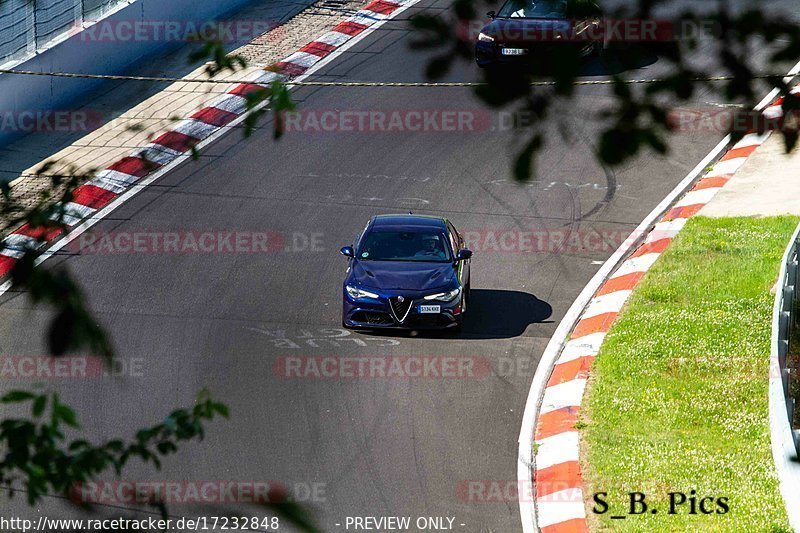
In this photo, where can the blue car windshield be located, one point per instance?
(534, 9)
(392, 245)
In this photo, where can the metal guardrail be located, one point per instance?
(27, 26)
(788, 323)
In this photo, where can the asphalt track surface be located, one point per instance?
(369, 446)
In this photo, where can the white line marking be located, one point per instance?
(74, 213)
(156, 153)
(303, 59)
(641, 263)
(112, 180)
(701, 196)
(12, 253)
(367, 18)
(232, 103)
(751, 139)
(561, 506)
(195, 128)
(557, 449)
(607, 303)
(727, 167)
(666, 230)
(588, 345)
(773, 112)
(567, 394)
(333, 38)
(16, 244)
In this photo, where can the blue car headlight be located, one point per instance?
(356, 294)
(444, 296)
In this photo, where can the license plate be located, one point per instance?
(514, 51)
(430, 308)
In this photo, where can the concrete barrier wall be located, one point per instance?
(87, 52)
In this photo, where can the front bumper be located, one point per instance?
(489, 54)
(371, 313)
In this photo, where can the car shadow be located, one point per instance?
(492, 314)
(495, 313)
(618, 59)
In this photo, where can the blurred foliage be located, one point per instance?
(636, 120)
(72, 326)
(638, 117)
(36, 448)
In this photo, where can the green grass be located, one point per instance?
(678, 394)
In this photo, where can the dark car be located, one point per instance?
(539, 31)
(406, 271)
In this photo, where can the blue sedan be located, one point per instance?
(406, 271)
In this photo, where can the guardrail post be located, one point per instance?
(785, 381)
(788, 297)
(783, 349)
(796, 438)
(786, 325)
(30, 28)
(783, 337)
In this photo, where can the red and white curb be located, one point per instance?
(558, 503)
(170, 147)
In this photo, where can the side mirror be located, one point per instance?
(463, 254)
(491, 14)
(347, 251)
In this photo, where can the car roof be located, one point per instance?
(408, 221)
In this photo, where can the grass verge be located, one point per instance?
(677, 400)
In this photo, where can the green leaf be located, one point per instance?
(38, 405)
(221, 408)
(65, 414)
(166, 447)
(79, 444)
(16, 396)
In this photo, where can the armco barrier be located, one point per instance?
(788, 323)
(21, 93)
(785, 439)
(44, 21)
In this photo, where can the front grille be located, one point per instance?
(378, 319)
(431, 321)
(400, 308)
